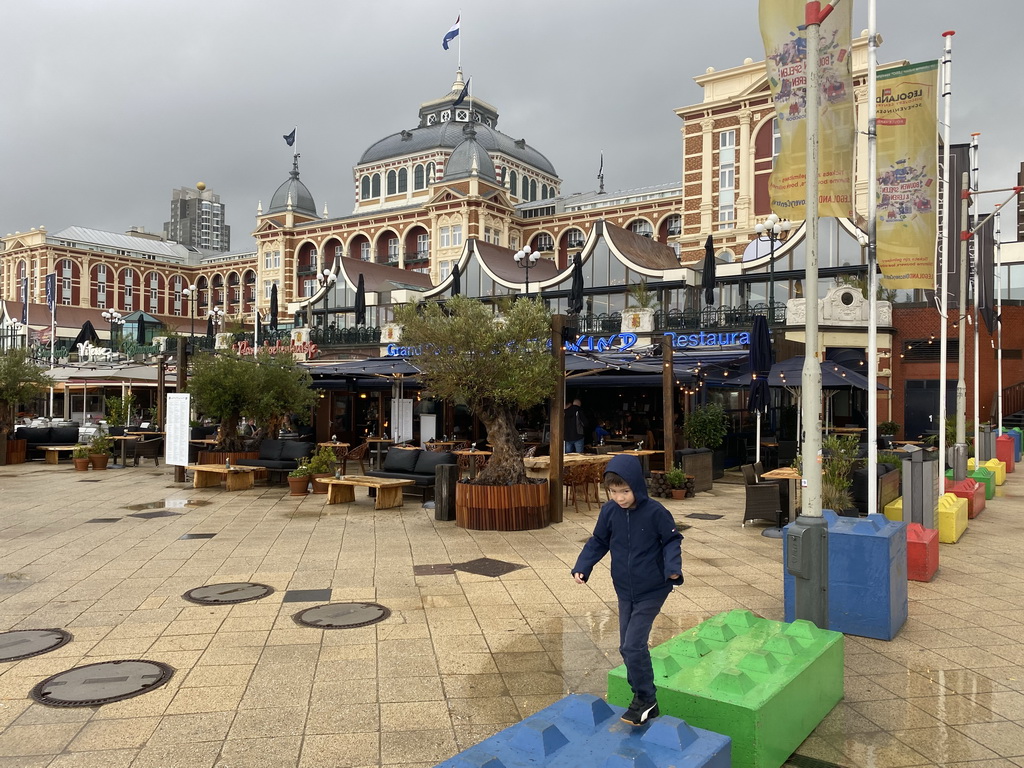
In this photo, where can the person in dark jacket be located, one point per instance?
(575, 427)
(646, 563)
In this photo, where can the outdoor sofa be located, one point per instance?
(37, 438)
(414, 464)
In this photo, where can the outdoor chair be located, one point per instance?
(763, 500)
(574, 479)
(144, 448)
(359, 453)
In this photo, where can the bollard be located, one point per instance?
(446, 477)
(987, 449)
(920, 490)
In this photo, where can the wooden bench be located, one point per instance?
(53, 452)
(209, 475)
(389, 490)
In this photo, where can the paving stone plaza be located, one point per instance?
(483, 630)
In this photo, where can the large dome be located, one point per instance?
(295, 191)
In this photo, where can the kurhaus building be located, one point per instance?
(455, 189)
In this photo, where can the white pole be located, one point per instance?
(976, 276)
(53, 336)
(960, 465)
(872, 259)
(999, 326)
(944, 248)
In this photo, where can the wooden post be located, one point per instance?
(668, 392)
(182, 364)
(446, 476)
(557, 421)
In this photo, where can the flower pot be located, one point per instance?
(319, 487)
(501, 507)
(298, 486)
(81, 465)
(99, 460)
(678, 493)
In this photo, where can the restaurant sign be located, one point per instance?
(307, 348)
(620, 342)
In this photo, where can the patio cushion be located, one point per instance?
(401, 460)
(36, 435)
(429, 460)
(292, 449)
(270, 450)
(68, 435)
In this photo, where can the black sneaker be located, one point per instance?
(640, 713)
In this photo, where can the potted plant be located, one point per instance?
(641, 304)
(298, 480)
(499, 367)
(99, 451)
(705, 429)
(321, 465)
(21, 381)
(80, 458)
(838, 456)
(119, 413)
(888, 428)
(676, 479)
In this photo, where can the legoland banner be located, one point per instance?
(785, 49)
(908, 149)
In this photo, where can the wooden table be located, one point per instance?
(539, 466)
(790, 476)
(209, 475)
(52, 455)
(644, 455)
(389, 491)
(433, 444)
(472, 464)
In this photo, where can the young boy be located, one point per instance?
(646, 564)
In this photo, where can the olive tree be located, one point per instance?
(21, 380)
(498, 365)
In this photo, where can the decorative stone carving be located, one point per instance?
(842, 305)
(638, 320)
(390, 333)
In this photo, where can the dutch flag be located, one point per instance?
(451, 34)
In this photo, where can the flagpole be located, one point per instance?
(872, 257)
(944, 249)
(460, 38)
(977, 280)
(53, 334)
(295, 144)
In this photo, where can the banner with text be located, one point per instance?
(785, 49)
(908, 150)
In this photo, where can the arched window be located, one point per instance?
(642, 228)
(543, 191)
(417, 178)
(513, 181)
(403, 180)
(392, 182)
(375, 185)
(364, 189)
(533, 190)
(526, 190)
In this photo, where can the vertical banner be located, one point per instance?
(785, 49)
(24, 301)
(51, 291)
(908, 180)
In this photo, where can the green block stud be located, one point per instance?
(765, 684)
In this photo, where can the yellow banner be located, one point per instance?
(785, 48)
(908, 148)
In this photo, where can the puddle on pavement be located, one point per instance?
(168, 504)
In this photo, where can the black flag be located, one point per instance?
(290, 138)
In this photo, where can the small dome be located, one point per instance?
(295, 192)
(470, 159)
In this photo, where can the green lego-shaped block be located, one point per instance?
(995, 466)
(983, 475)
(765, 684)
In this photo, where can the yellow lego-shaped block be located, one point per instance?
(998, 468)
(951, 512)
(894, 510)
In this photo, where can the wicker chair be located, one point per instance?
(148, 448)
(359, 453)
(574, 480)
(763, 500)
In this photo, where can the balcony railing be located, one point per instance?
(739, 317)
(339, 337)
(602, 323)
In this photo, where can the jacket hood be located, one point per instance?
(629, 469)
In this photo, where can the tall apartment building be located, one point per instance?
(197, 219)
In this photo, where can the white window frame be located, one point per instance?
(456, 235)
(445, 237)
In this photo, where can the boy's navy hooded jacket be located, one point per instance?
(643, 540)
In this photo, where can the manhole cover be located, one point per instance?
(23, 643)
(486, 566)
(704, 516)
(342, 615)
(226, 594)
(189, 536)
(103, 520)
(96, 684)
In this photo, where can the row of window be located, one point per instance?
(396, 182)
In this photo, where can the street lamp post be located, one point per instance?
(216, 316)
(776, 231)
(327, 279)
(190, 294)
(116, 320)
(526, 258)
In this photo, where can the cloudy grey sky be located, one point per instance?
(110, 104)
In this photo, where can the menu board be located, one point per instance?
(179, 408)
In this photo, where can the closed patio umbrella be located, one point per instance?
(576, 289)
(456, 282)
(87, 334)
(708, 277)
(360, 301)
(273, 307)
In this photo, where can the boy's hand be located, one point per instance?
(579, 578)
(675, 577)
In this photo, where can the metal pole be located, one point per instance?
(182, 365)
(557, 421)
(668, 394)
(960, 449)
(872, 260)
(999, 327)
(944, 250)
(771, 280)
(808, 534)
(976, 277)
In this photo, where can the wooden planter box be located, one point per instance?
(501, 507)
(700, 466)
(16, 450)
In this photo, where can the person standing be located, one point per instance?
(575, 427)
(647, 562)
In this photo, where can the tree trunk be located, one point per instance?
(505, 466)
(229, 439)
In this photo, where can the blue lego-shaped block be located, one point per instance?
(583, 731)
(1018, 441)
(867, 576)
